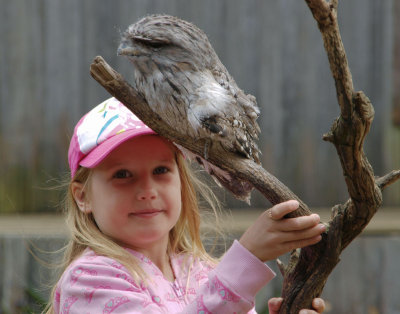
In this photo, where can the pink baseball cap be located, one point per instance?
(100, 131)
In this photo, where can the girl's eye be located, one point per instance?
(122, 174)
(160, 170)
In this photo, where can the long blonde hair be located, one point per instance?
(185, 236)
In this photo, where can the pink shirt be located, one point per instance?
(97, 284)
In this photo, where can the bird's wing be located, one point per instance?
(216, 109)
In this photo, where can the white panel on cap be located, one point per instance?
(104, 121)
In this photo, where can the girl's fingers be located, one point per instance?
(280, 210)
(302, 234)
(318, 305)
(274, 304)
(292, 245)
(299, 223)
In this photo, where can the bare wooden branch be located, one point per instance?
(325, 13)
(388, 179)
(307, 279)
(274, 190)
(281, 266)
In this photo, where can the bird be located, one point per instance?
(178, 73)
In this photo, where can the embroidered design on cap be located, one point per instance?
(98, 125)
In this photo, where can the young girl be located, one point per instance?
(135, 242)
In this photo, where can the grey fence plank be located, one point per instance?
(272, 48)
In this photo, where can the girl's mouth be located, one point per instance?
(148, 213)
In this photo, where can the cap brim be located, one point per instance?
(100, 152)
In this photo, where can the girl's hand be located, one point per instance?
(318, 304)
(271, 235)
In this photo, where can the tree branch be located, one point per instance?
(388, 179)
(325, 13)
(307, 279)
(243, 168)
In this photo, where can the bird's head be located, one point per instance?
(166, 38)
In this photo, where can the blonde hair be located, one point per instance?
(183, 238)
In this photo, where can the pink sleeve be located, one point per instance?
(93, 287)
(233, 284)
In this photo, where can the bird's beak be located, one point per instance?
(125, 50)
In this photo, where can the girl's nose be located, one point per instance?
(146, 194)
(146, 191)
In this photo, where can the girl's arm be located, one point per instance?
(241, 274)
(233, 284)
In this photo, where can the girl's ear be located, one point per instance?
(80, 197)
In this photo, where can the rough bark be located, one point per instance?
(309, 268)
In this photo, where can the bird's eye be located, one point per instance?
(155, 44)
(150, 42)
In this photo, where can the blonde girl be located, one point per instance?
(135, 242)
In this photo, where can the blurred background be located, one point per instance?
(274, 51)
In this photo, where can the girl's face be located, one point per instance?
(135, 193)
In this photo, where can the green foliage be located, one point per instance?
(36, 304)
(26, 190)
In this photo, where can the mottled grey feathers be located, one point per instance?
(182, 79)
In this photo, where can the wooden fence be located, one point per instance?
(274, 51)
(272, 48)
(366, 281)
